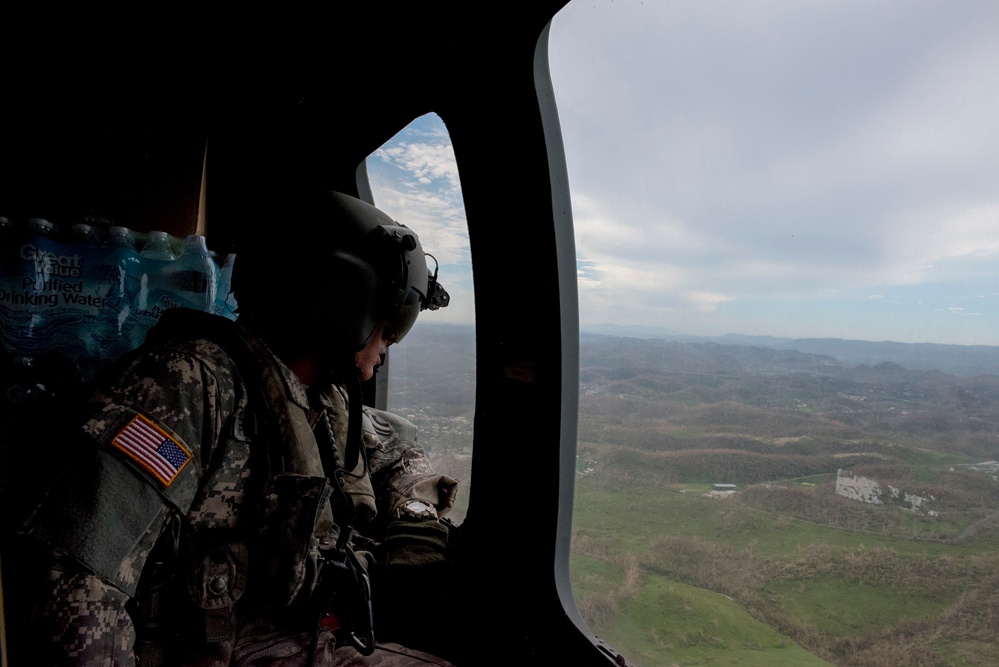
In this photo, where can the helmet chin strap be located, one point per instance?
(349, 376)
(354, 399)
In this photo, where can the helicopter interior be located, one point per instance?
(175, 121)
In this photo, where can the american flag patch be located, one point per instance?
(153, 449)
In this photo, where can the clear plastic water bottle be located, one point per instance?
(193, 278)
(40, 226)
(121, 282)
(151, 298)
(158, 247)
(43, 283)
(83, 234)
(10, 274)
(225, 301)
(29, 269)
(81, 298)
(121, 237)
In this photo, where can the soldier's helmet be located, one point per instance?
(332, 270)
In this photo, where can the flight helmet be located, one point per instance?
(335, 269)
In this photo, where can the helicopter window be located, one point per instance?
(431, 374)
(787, 231)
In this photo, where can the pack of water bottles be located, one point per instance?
(81, 295)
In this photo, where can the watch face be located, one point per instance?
(419, 508)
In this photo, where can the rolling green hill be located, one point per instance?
(793, 567)
(851, 582)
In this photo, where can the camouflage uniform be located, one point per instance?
(237, 500)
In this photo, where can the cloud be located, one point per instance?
(779, 150)
(764, 166)
(414, 178)
(706, 301)
(428, 161)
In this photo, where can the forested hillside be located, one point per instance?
(907, 577)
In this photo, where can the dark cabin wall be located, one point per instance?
(116, 119)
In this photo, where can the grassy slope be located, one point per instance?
(667, 623)
(844, 594)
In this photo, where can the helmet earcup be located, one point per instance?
(350, 299)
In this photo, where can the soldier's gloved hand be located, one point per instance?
(415, 543)
(414, 579)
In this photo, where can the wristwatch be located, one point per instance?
(416, 509)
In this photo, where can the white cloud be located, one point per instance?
(414, 178)
(427, 161)
(783, 150)
(706, 301)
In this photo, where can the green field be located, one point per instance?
(662, 622)
(671, 576)
(785, 571)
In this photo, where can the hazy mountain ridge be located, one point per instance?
(961, 360)
(448, 341)
(435, 384)
(661, 420)
(788, 386)
(441, 358)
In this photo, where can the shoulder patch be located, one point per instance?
(155, 450)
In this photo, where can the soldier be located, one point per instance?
(228, 500)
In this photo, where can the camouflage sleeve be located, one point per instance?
(86, 621)
(155, 428)
(399, 468)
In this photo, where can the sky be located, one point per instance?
(414, 178)
(796, 168)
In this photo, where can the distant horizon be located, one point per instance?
(645, 331)
(664, 331)
(805, 170)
